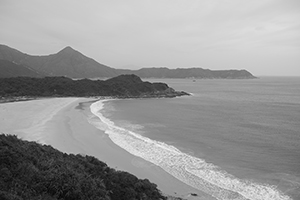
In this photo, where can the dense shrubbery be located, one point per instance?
(121, 86)
(31, 171)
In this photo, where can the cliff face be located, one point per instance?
(124, 86)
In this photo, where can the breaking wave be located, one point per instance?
(190, 170)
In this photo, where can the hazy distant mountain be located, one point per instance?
(71, 63)
(68, 62)
(10, 69)
(190, 73)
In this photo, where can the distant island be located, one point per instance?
(123, 86)
(73, 64)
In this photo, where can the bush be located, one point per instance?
(31, 171)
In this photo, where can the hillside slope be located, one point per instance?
(123, 86)
(32, 171)
(67, 62)
(10, 69)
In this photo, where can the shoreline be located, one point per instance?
(144, 169)
(68, 130)
(119, 136)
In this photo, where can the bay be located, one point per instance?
(247, 131)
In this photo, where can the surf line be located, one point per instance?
(191, 170)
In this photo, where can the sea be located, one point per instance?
(232, 139)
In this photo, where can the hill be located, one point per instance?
(73, 64)
(67, 62)
(29, 170)
(190, 73)
(10, 69)
(123, 86)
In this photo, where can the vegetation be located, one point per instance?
(32, 171)
(121, 86)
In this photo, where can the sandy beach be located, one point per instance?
(64, 124)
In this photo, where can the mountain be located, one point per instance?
(67, 62)
(73, 64)
(10, 69)
(190, 73)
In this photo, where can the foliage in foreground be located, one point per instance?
(32, 171)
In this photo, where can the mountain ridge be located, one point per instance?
(73, 64)
(67, 62)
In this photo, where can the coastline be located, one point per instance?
(64, 124)
(141, 168)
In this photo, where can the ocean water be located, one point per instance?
(232, 139)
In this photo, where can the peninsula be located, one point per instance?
(123, 86)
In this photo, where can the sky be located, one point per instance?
(261, 36)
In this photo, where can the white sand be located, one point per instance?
(27, 119)
(59, 122)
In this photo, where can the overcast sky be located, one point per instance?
(262, 36)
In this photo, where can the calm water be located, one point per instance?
(233, 139)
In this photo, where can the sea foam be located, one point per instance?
(193, 171)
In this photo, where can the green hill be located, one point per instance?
(67, 62)
(124, 86)
(29, 170)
